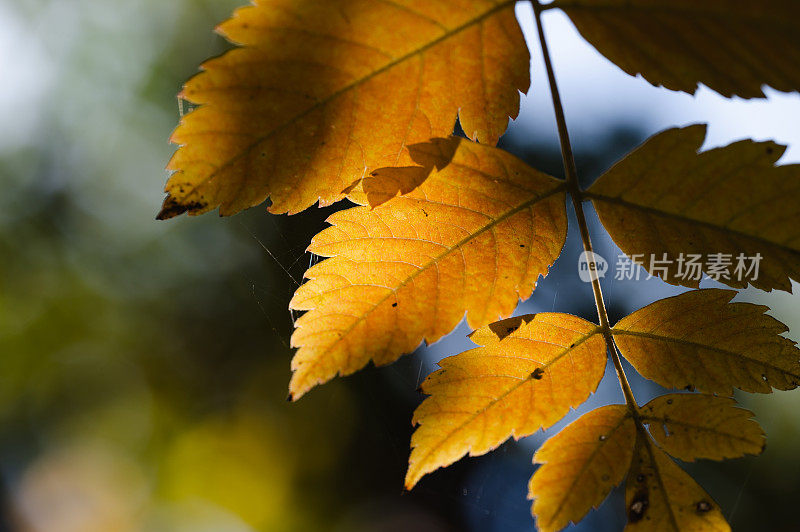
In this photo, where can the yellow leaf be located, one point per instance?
(582, 463)
(527, 375)
(473, 238)
(732, 46)
(700, 340)
(322, 92)
(691, 426)
(666, 201)
(660, 496)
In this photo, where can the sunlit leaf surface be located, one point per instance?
(474, 238)
(673, 207)
(701, 340)
(529, 371)
(582, 463)
(322, 92)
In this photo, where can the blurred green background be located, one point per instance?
(144, 365)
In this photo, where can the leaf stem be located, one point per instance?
(576, 194)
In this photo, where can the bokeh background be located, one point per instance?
(144, 365)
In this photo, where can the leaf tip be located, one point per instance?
(412, 478)
(173, 207)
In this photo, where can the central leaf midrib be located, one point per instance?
(669, 421)
(647, 441)
(655, 211)
(670, 339)
(477, 20)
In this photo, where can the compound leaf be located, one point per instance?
(732, 46)
(322, 92)
(700, 340)
(660, 496)
(474, 238)
(731, 208)
(527, 375)
(691, 426)
(582, 463)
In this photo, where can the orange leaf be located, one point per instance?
(666, 201)
(690, 426)
(699, 339)
(322, 92)
(582, 463)
(529, 372)
(473, 238)
(732, 46)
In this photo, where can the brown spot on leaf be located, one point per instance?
(703, 507)
(638, 506)
(537, 374)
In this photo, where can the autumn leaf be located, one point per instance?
(582, 463)
(700, 340)
(323, 100)
(528, 373)
(473, 238)
(322, 92)
(732, 46)
(691, 426)
(665, 202)
(660, 496)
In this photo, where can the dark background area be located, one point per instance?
(144, 365)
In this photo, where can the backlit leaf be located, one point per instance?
(660, 496)
(527, 375)
(582, 463)
(666, 201)
(474, 238)
(699, 339)
(691, 426)
(322, 92)
(732, 46)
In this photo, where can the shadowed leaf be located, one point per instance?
(691, 426)
(323, 92)
(385, 183)
(700, 340)
(582, 463)
(512, 386)
(661, 497)
(666, 201)
(474, 238)
(732, 46)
